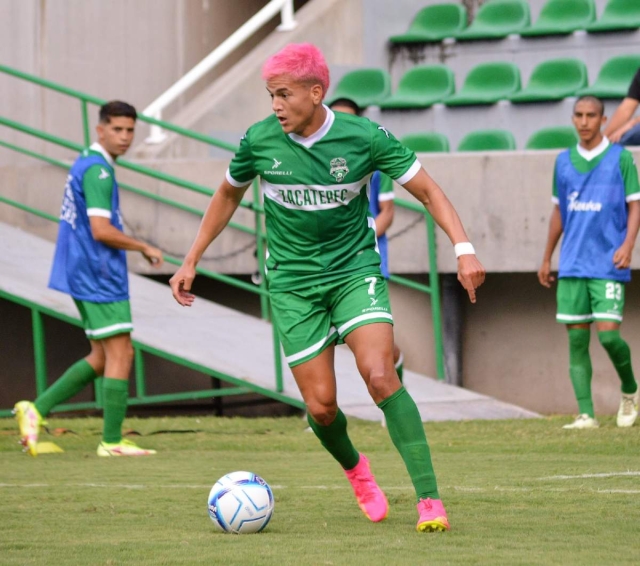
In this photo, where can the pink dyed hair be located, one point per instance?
(301, 61)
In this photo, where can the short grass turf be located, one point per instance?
(519, 492)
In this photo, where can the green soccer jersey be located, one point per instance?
(316, 194)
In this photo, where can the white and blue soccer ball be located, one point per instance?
(241, 502)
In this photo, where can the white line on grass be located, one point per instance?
(586, 476)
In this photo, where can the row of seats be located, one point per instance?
(487, 83)
(497, 19)
(560, 137)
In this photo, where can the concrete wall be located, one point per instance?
(117, 49)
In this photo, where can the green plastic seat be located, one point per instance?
(365, 87)
(614, 77)
(617, 15)
(553, 80)
(560, 137)
(488, 140)
(486, 84)
(562, 17)
(421, 87)
(497, 19)
(426, 142)
(434, 23)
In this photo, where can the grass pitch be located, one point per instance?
(517, 493)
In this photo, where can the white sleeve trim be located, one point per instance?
(410, 174)
(382, 197)
(235, 183)
(99, 212)
(633, 196)
(555, 200)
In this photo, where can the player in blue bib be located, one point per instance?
(90, 264)
(597, 211)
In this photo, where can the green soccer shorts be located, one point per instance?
(314, 318)
(585, 300)
(102, 320)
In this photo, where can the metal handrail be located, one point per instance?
(244, 32)
(432, 288)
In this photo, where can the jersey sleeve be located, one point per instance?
(386, 189)
(554, 193)
(97, 185)
(630, 176)
(391, 157)
(242, 169)
(634, 87)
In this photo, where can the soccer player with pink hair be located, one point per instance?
(323, 265)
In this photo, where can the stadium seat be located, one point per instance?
(617, 15)
(421, 87)
(487, 140)
(614, 77)
(562, 17)
(497, 19)
(365, 87)
(553, 80)
(560, 137)
(434, 23)
(426, 142)
(486, 84)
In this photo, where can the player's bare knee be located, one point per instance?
(382, 384)
(324, 415)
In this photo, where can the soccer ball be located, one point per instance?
(241, 502)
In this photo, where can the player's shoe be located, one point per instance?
(370, 497)
(29, 421)
(583, 421)
(122, 448)
(432, 516)
(628, 411)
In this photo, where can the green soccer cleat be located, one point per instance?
(583, 421)
(122, 448)
(29, 421)
(628, 411)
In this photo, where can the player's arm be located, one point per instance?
(621, 117)
(220, 210)
(629, 171)
(385, 217)
(471, 274)
(106, 233)
(553, 237)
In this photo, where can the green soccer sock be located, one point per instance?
(335, 439)
(400, 366)
(407, 434)
(620, 356)
(72, 381)
(115, 394)
(580, 369)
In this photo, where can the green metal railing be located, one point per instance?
(257, 231)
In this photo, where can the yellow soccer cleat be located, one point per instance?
(29, 421)
(122, 448)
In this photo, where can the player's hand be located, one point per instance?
(544, 275)
(622, 257)
(181, 285)
(470, 274)
(153, 256)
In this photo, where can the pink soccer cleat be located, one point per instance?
(433, 517)
(370, 497)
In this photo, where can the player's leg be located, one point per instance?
(30, 416)
(398, 361)
(574, 310)
(372, 345)
(608, 300)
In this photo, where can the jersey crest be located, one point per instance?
(339, 169)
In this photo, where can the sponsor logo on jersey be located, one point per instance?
(104, 174)
(338, 169)
(374, 301)
(276, 163)
(574, 205)
(384, 130)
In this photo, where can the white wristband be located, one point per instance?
(464, 248)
